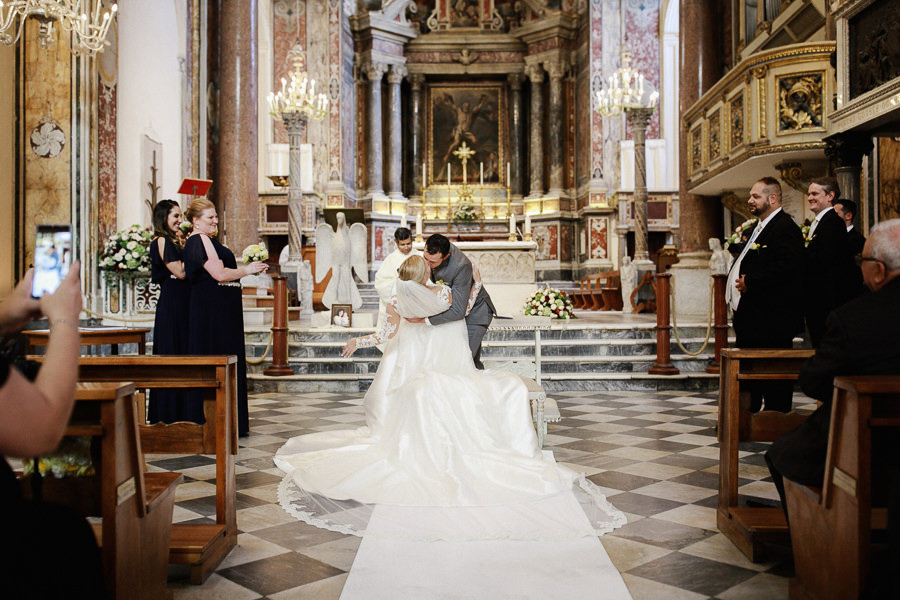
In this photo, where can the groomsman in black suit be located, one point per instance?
(846, 209)
(764, 287)
(860, 339)
(829, 274)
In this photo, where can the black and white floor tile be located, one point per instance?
(654, 454)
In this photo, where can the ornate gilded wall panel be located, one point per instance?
(714, 136)
(800, 98)
(696, 149)
(874, 50)
(736, 123)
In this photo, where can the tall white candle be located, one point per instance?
(507, 175)
(481, 166)
(403, 220)
(423, 179)
(527, 223)
(448, 174)
(512, 223)
(419, 224)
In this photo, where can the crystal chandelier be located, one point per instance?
(300, 96)
(625, 89)
(87, 26)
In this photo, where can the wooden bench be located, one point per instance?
(99, 336)
(749, 528)
(831, 526)
(610, 289)
(201, 546)
(136, 507)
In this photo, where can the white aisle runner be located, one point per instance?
(393, 567)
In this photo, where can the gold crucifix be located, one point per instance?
(464, 153)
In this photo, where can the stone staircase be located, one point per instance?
(578, 355)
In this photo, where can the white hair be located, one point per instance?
(884, 240)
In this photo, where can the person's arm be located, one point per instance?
(387, 331)
(220, 272)
(33, 416)
(476, 288)
(176, 267)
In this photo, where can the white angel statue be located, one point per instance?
(339, 251)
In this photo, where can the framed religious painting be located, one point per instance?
(473, 115)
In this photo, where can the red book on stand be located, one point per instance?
(195, 187)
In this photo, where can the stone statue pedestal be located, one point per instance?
(690, 283)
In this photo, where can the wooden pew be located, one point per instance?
(610, 290)
(831, 526)
(749, 528)
(136, 507)
(201, 546)
(582, 296)
(98, 336)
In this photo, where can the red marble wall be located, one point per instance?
(106, 159)
(289, 28)
(641, 21)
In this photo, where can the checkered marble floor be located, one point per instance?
(654, 454)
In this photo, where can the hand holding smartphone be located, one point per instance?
(52, 258)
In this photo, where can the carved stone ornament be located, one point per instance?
(466, 57)
(800, 102)
(47, 139)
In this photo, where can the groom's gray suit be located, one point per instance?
(456, 272)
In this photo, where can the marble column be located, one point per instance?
(374, 72)
(536, 76)
(516, 132)
(416, 141)
(394, 155)
(555, 126)
(699, 70)
(846, 151)
(638, 118)
(238, 125)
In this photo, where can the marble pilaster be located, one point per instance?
(698, 71)
(394, 155)
(555, 123)
(536, 76)
(374, 73)
(639, 118)
(238, 123)
(516, 131)
(416, 141)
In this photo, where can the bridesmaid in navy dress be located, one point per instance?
(170, 329)
(216, 314)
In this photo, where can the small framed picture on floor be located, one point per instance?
(342, 315)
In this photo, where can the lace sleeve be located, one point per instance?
(388, 329)
(473, 296)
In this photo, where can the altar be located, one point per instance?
(507, 270)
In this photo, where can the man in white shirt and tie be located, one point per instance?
(764, 287)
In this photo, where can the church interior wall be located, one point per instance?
(149, 104)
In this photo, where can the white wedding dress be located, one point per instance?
(441, 436)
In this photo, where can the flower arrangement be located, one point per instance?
(465, 213)
(71, 459)
(804, 229)
(735, 237)
(127, 252)
(255, 252)
(186, 227)
(549, 302)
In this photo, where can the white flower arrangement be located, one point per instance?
(549, 302)
(465, 213)
(127, 252)
(255, 252)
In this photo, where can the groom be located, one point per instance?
(451, 267)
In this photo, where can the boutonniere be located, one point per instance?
(440, 282)
(755, 246)
(804, 229)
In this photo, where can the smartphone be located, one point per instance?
(52, 257)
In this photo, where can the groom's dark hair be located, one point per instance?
(402, 233)
(437, 244)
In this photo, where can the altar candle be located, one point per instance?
(419, 224)
(423, 181)
(512, 223)
(507, 175)
(403, 220)
(448, 174)
(481, 165)
(527, 223)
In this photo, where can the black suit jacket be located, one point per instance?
(829, 269)
(769, 311)
(855, 241)
(861, 338)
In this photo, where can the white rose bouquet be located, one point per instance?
(549, 302)
(255, 252)
(465, 213)
(127, 252)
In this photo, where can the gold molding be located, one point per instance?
(751, 152)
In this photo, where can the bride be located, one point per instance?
(439, 432)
